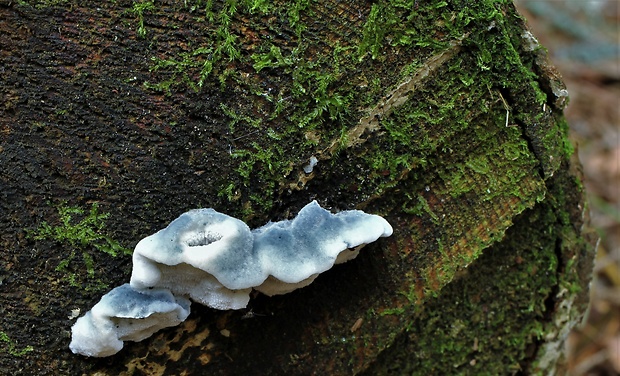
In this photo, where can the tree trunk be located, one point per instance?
(442, 116)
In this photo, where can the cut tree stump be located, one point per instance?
(444, 117)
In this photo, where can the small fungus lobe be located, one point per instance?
(313, 161)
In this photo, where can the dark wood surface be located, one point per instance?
(444, 117)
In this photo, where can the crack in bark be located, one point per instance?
(370, 123)
(510, 103)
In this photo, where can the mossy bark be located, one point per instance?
(442, 116)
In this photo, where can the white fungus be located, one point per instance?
(125, 314)
(294, 252)
(203, 254)
(216, 260)
(311, 163)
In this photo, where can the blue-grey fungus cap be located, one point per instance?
(295, 251)
(204, 254)
(125, 314)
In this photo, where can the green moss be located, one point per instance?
(181, 69)
(295, 10)
(228, 192)
(405, 23)
(508, 314)
(507, 296)
(378, 23)
(10, 347)
(305, 78)
(322, 83)
(393, 311)
(42, 4)
(272, 59)
(81, 237)
(138, 9)
(567, 146)
(421, 208)
(239, 120)
(194, 67)
(415, 133)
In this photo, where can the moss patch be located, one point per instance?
(81, 237)
(446, 336)
(11, 348)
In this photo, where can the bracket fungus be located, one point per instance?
(216, 260)
(292, 253)
(203, 254)
(125, 314)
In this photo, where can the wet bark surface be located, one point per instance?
(78, 125)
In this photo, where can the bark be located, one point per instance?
(444, 117)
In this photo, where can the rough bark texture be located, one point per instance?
(442, 116)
